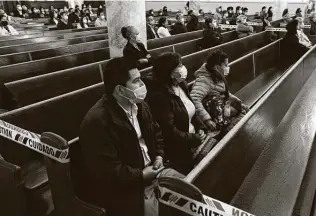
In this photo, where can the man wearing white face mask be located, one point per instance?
(100, 21)
(121, 146)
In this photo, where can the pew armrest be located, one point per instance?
(86, 209)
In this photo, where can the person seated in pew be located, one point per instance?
(243, 29)
(270, 14)
(302, 37)
(42, 12)
(83, 22)
(263, 13)
(63, 22)
(121, 147)
(245, 11)
(135, 50)
(218, 16)
(151, 12)
(66, 9)
(225, 18)
(312, 21)
(74, 18)
(35, 13)
(286, 16)
(5, 28)
(215, 105)
(18, 11)
(298, 13)
(193, 23)
(235, 16)
(101, 20)
(230, 11)
(174, 111)
(291, 48)
(201, 13)
(150, 28)
(162, 28)
(83, 7)
(53, 20)
(211, 35)
(179, 27)
(25, 12)
(165, 11)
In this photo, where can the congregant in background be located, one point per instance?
(63, 22)
(101, 20)
(162, 28)
(270, 14)
(53, 20)
(312, 22)
(218, 15)
(150, 28)
(5, 28)
(286, 16)
(230, 11)
(263, 12)
(18, 12)
(245, 11)
(179, 27)
(298, 13)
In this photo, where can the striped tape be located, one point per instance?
(195, 208)
(277, 29)
(224, 26)
(305, 26)
(32, 141)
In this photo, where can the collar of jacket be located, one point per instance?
(117, 113)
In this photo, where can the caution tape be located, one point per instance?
(254, 24)
(32, 141)
(305, 26)
(277, 29)
(195, 208)
(225, 26)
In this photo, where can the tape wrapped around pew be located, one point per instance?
(189, 206)
(32, 141)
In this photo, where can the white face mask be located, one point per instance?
(102, 17)
(135, 96)
(180, 74)
(226, 70)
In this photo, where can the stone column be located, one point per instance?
(73, 3)
(279, 6)
(124, 13)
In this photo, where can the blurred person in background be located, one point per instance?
(83, 22)
(101, 20)
(5, 28)
(162, 28)
(179, 27)
(53, 19)
(150, 28)
(63, 22)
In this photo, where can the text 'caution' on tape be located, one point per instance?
(189, 206)
(32, 141)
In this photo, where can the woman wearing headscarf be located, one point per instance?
(215, 105)
(174, 110)
(243, 29)
(135, 50)
(291, 48)
(211, 34)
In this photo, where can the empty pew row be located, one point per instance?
(89, 95)
(268, 157)
(49, 44)
(46, 52)
(42, 87)
(40, 38)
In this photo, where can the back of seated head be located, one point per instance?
(116, 72)
(127, 31)
(163, 66)
(264, 7)
(286, 11)
(162, 22)
(216, 58)
(179, 16)
(292, 27)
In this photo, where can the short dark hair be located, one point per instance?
(292, 27)
(208, 21)
(245, 9)
(216, 58)
(162, 21)
(116, 72)
(163, 66)
(62, 13)
(99, 13)
(264, 7)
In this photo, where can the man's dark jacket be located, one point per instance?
(111, 158)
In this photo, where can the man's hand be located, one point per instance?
(148, 56)
(158, 163)
(143, 61)
(201, 135)
(150, 174)
(210, 125)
